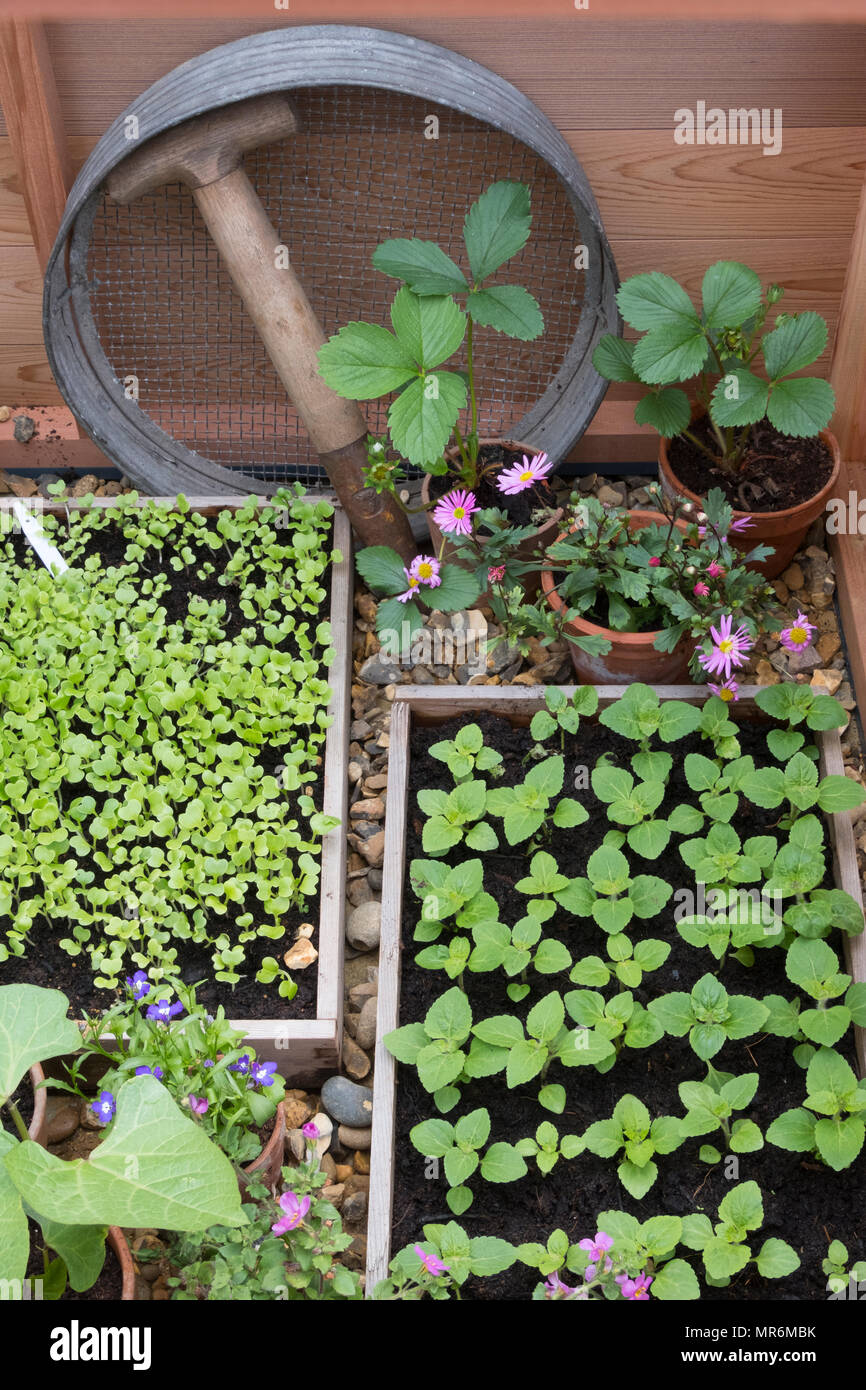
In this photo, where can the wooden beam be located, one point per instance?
(848, 369)
(31, 108)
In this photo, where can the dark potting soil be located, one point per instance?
(107, 1289)
(805, 1203)
(46, 964)
(778, 471)
(492, 458)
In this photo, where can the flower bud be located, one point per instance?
(702, 516)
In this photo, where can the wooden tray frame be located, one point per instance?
(424, 705)
(307, 1049)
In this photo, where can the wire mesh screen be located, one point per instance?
(367, 164)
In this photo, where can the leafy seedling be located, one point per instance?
(525, 809)
(459, 1146)
(836, 1130)
(547, 1147)
(435, 1047)
(455, 816)
(709, 1106)
(724, 1247)
(627, 962)
(631, 1129)
(610, 895)
(467, 754)
(709, 1015)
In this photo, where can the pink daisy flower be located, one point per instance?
(414, 586)
(295, 1209)
(730, 648)
(714, 570)
(798, 635)
(701, 590)
(519, 476)
(496, 574)
(425, 568)
(742, 523)
(729, 690)
(454, 512)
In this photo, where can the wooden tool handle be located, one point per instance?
(276, 302)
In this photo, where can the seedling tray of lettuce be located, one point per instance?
(546, 894)
(172, 788)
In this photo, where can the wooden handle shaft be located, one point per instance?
(275, 300)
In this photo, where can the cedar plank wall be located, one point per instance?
(611, 87)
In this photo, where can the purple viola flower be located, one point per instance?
(242, 1065)
(163, 1012)
(198, 1105)
(149, 1071)
(295, 1209)
(207, 1062)
(310, 1130)
(104, 1108)
(139, 984)
(431, 1263)
(262, 1073)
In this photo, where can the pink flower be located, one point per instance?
(198, 1105)
(414, 586)
(555, 1288)
(454, 512)
(295, 1209)
(655, 561)
(597, 1248)
(799, 634)
(714, 570)
(730, 648)
(519, 477)
(701, 590)
(496, 574)
(637, 1290)
(425, 568)
(431, 1263)
(310, 1130)
(742, 523)
(728, 691)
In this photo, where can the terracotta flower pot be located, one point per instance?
(118, 1243)
(525, 551)
(632, 656)
(784, 531)
(268, 1166)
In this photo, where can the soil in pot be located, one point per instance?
(518, 507)
(804, 1202)
(46, 964)
(779, 471)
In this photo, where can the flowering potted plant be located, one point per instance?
(365, 361)
(754, 429)
(651, 585)
(198, 1058)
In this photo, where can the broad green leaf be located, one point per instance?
(743, 1206)
(794, 1130)
(552, 1098)
(459, 1166)
(33, 1028)
(364, 361)
(473, 1129)
(672, 352)
(652, 299)
(612, 359)
(794, 344)
(637, 1180)
(666, 411)
(449, 1017)
(676, 1282)
(432, 1138)
(503, 1030)
(546, 1018)
(722, 1260)
(459, 589)
(429, 327)
(153, 1168)
(739, 398)
(423, 265)
(382, 569)
(502, 1163)
(14, 1232)
(776, 1259)
(730, 294)
(497, 226)
(490, 1255)
(801, 406)
(405, 1043)
(839, 1141)
(82, 1249)
(674, 1012)
(423, 416)
(509, 309)
(839, 793)
(746, 1137)
(525, 1061)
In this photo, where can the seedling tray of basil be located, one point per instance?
(623, 974)
(174, 788)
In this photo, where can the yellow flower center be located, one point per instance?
(425, 570)
(413, 582)
(798, 635)
(459, 513)
(726, 645)
(726, 694)
(527, 475)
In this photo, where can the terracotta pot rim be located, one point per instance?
(788, 513)
(117, 1241)
(627, 639)
(556, 513)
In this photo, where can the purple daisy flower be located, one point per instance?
(799, 635)
(425, 568)
(454, 512)
(104, 1108)
(730, 648)
(295, 1209)
(518, 477)
(729, 690)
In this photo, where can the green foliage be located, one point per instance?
(835, 1131)
(724, 1247)
(709, 1015)
(709, 1105)
(466, 753)
(460, 1254)
(459, 1146)
(525, 809)
(631, 1129)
